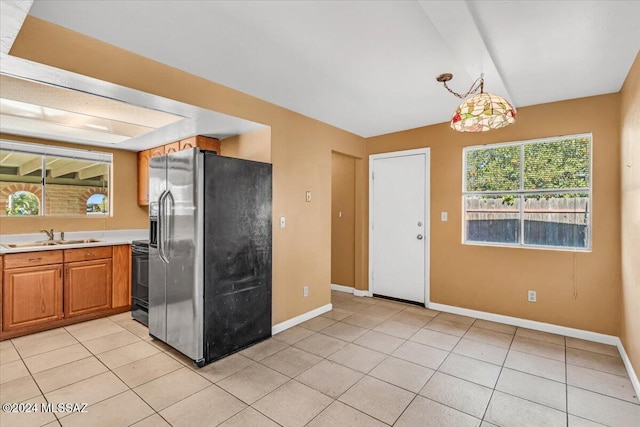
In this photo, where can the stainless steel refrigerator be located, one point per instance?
(209, 253)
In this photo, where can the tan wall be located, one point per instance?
(575, 289)
(126, 212)
(630, 168)
(343, 227)
(255, 145)
(300, 152)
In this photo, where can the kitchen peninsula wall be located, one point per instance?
(126, 212)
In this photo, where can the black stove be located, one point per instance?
(140, 281)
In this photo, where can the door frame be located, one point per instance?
(427, 215)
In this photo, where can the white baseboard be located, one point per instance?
(515, 321)
(525, 323)
(360, 293)
(627, 364)
(350, 290)
(342, 288)
(547, 327)
(275, 329)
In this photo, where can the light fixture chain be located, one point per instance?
(475, 86)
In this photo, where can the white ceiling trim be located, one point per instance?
(13, 14)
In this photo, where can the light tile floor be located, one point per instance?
(369, 362)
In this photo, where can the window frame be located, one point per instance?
(521, 192)
(45, 151)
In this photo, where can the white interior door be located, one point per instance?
(399, 225)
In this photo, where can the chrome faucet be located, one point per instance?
(62, 235)
(49, 233)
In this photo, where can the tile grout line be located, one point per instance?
(497, 379)
(55, 415)
(565, 363)
(367, 374)
(92, 355)
(140, 397)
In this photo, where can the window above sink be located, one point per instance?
(41, 180)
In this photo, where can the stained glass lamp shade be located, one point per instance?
(482, 112)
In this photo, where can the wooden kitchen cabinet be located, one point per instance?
(121, 289)
(200, 141)
(156, 152)
(143, 178)
(47, 289)
(172, 148)
(31, 296)
(87, 280)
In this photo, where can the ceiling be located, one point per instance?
(369, 67)
(41, 101)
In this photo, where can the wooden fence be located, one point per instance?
(556, 221)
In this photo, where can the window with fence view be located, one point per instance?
(530, 193)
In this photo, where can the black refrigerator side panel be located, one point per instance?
(237, 254)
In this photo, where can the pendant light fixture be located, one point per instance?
(481, 112)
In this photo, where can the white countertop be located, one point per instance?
(106, 237)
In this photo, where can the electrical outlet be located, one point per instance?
(531, 296)
(305, 291)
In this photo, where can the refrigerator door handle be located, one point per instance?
(168, 235)
(161, 227)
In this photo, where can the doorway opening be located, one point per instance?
(343, 221)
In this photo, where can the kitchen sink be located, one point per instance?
(50, 243)
(30, 245)
(76, 242)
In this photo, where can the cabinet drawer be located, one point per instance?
(32, 259)
(87, 254)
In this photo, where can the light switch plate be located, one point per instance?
(282, 222)
(443, 216)
(308, 196)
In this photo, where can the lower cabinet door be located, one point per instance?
(87, 287)
(31, 296)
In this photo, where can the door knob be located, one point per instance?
(419, 236)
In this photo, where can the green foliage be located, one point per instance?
(557, 164)
(23, 203)
(547, 165)
(493, 169)
(508, 199)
